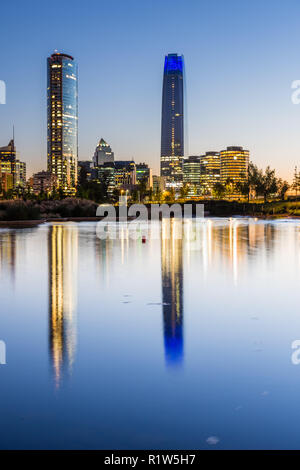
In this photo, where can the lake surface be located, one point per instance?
(168, 344)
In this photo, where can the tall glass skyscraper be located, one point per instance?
(63, 120)
(172, 124)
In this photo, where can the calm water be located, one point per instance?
(120, 344)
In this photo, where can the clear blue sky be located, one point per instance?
(240, 57)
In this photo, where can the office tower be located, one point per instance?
(172, 125)
(234, 164)
(20, 174)
(191, 175)
(210, 172)
(103, 154)
(63, 120)
(125, 174)
(144, 173)
(10, 165)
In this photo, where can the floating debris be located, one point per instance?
(212, 440)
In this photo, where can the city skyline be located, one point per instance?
(239, 83)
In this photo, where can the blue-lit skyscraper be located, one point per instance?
(172, 124)
(63, 120)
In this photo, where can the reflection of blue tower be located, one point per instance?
(172, 292)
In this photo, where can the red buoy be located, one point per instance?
(143, 239)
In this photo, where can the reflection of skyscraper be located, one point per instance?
(8, 252)
(62, 120)
(172, 290)
(62, 249)
(172, 128)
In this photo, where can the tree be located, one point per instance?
(269, 183)
(158, 195)
(264, 183)
(283, 186)
(142, 188)
(243, 188)
(296, 182)
(184, 191)
(229, 186)
(219, 190)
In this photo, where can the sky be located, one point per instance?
(241, 58)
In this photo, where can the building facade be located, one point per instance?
(234, 164)
(44, 182)
(172, 121)
(6, 182)
(8, 153)
(20, 174)
(106, 175)
(125, 174)
(191, 175)
(62, 92)
(210, 172)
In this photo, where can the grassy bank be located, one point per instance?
(32, 210)
(75, 208)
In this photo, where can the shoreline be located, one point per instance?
(36, 223)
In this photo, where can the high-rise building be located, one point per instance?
(144, 173)
(8, 153)
(106, 175)
(234, 164)
(191, 175)
(210, 172)
(11, 165)
(103, 154)
(125, 173)
(20, 174)
(159, 183)
(172, 124)
(63, 120)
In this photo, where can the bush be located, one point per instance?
(19, 210)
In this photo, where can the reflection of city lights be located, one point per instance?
(63, 253)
